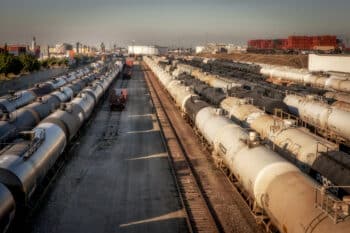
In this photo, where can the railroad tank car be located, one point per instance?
(76, 87)
(25, 163)
(18, 99)
(240, 110)
(213, 95)
(179, 92)
(87, 102)
(8, 208)
(320, 114)
(69, 117)
(257, 168)
(342, 105)
(216, 95)
(71, 76)
(262, 101)
(57, 82)
(28, 116)
(303, 148)
(340, 96)
(266, 176)
(42, 89)
(96, 90)
(193, 106)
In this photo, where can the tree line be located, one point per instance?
(26, 63)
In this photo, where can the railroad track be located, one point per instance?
(199, 213)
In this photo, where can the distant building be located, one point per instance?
(17, 49)
(63, 48)
(45, 52)
(103, 47)
(77, 47)
(33, 45)
(200, 49)
(147, 50)
(220, 48)
(37, 51)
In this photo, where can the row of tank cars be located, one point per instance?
(37, 124)
(269, 157)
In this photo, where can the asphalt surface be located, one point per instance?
(119, 177)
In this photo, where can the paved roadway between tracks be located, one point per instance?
(118, 179)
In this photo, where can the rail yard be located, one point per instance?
(177, 144)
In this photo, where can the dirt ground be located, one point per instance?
(297, 61)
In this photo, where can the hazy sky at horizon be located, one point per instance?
(168, 22)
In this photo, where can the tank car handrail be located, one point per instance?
(334, 208)
(38, 138)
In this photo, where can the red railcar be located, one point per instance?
(118, 98)
(294, 44)
(129, 62)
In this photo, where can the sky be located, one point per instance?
(168, 22)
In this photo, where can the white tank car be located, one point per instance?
(180, 92)
(320, 114)
(277, 186)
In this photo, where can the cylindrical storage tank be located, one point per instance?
(42, 89)
(230, 140)
(61, 96)
(70, 77)
(329, 164)
(213, 126)
(340, 96)
(57, 82)
(76, 88)
(193, 105)
(314, 112)
(44, 106)
(96, 90)
(7, 208)
(219, 83)
(213, 95)
(7, 132)
(302, 144)
(24, 119)
(321, 81)
(295, 192)
(267, 103)
(22, 169)
(338, 121)
(80, 83)
(180, 93)
(70, 117)
(103, 83)
(67, 91)
(310, 79)
(202, 116)
(19, 99)
(208, 121)
(241, 112)
(87, 102)
(341, 105)
(344, 86)
(333, 82)
(294, 103)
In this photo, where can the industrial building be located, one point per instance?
(147, 50)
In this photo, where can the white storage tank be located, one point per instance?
(337, 63)
(147, 50)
